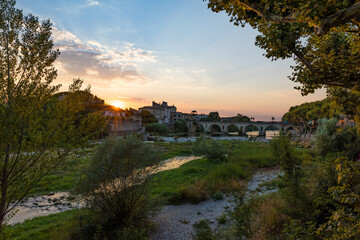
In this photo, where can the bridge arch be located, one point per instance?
(215, 128)
(199, 128)
(232, 128)
(271, 128)
(251, 128)
(289, 129)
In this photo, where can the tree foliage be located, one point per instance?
(241, 118)
(180, 126)
(33, 121)
(214, 150)
(147, 117)
(294, 196)
(158, 128)
(310, 111)
(213, 116)
(321, 36)
(329, 138)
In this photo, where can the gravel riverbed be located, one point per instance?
(174, 222)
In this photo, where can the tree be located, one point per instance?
(180, 126)
(241, 118)
(147, 117)
(38, 129)
(294, 193)
(213, 116)
(115, 185)
(158, 128)
(329, 138)
(322, 37)
(310, 111)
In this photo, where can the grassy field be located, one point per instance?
(64, 177)
(200, 179)
(55, 227)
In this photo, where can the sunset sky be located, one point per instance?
(138, 51)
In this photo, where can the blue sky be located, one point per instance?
(178, 51)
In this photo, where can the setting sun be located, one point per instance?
(117, 104)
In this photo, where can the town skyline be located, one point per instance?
(138, 52)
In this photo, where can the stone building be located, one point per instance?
(162, 112)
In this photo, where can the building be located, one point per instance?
(162, 112)
(122, 122)
(176, 116)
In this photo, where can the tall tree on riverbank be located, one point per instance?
(321, 36)
(32, 120)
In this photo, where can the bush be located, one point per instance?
(157, 128)
(298, 203)
(180, 126)
(330, 138)
(215, 151)
(203, 231)
(114, 187)
(243, 215)
(218, 195)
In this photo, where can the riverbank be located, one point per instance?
(181, 184)
(52, 203)
(175, 222)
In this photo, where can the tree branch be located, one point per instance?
(326, 23)
(340, 17)
(269, 17)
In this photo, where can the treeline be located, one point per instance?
(311, 111)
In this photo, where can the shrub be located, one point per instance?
(215, 151)
(203, 231)
(243, 215)
(114, 186)
(330, 138)
(157, 128)
(218, 195)
(194, 193)
(270, 220)
(180, 126)
(298, 203)
(221, 219)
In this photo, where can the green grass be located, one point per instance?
(199, 179)
(63, 177)
(66, 175)
(164, 186)
(170, 150)
(192, 182)
(55, 227)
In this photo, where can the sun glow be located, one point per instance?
(117, 104)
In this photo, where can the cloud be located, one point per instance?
(129, 99)
(95, 60)
(197, 71)
(92, 3)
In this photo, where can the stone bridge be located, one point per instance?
(243, 127)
